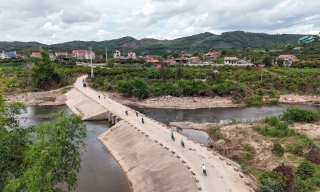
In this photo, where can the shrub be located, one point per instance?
(282, 126)
(314, 156)
(254, 100)
(303, 185)
(300, 115)
(272, 181)
(298, 150)
(277, 149)
(287, 173)
(272, 121)
(305, 170)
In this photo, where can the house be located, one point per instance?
(6, 55)
(147, 57)
(171, 61)
(297, 48)
(61, 53)
(89, 55)
(230, 60)
(131, 55)
(117, 54)
(36, 54)
(182, 60)
(211, 55)
(83, 54)
(288, 59)
(195, 60)
(162, 63)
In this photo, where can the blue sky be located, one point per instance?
(60, 21)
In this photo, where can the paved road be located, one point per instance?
(221, 177)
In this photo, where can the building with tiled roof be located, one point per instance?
(36, 54)
(230, 60)
(288, 59)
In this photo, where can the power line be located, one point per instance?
(294, 24)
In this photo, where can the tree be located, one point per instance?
(14, 141)
(179, 72)
(43, 74)
(267, 61)
(53, 157)
(280, 62)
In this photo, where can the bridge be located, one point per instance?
(151, 160)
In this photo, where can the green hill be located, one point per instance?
(199, 42)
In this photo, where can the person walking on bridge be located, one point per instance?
(204, 169)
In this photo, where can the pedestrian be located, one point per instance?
(82, 80)
(137, 113)
(99, 96)
(204, 169)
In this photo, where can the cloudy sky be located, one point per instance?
(57, 21)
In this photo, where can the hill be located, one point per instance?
(199, 42)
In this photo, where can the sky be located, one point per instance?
(58, 21)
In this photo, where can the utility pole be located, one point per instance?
(107, 56)
(91, 62)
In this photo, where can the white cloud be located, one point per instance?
(49, 26)
(61, 21)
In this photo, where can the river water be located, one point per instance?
(219, 115)
(100, 171)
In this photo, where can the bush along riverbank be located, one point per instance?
(275, 151)
(243, 85)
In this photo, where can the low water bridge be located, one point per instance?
(147, 154)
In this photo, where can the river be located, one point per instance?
(100, 171)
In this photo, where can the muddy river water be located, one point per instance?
(100, 171)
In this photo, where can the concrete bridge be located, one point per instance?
(148, 156)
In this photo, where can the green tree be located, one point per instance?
(267, 61)
(53, 157)
(272, 181)
(179, 72)
(43, 74)
(14, 141)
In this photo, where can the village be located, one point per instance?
(211, 57)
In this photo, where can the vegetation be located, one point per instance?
(39, 157)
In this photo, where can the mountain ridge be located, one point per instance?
(197, 42)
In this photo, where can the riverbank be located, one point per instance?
(56, 97)
(53, 97)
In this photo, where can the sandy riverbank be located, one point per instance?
(56, 97)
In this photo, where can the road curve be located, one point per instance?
(221, 173)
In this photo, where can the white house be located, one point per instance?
(230, 60)
(117, 54)
(83, 54)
